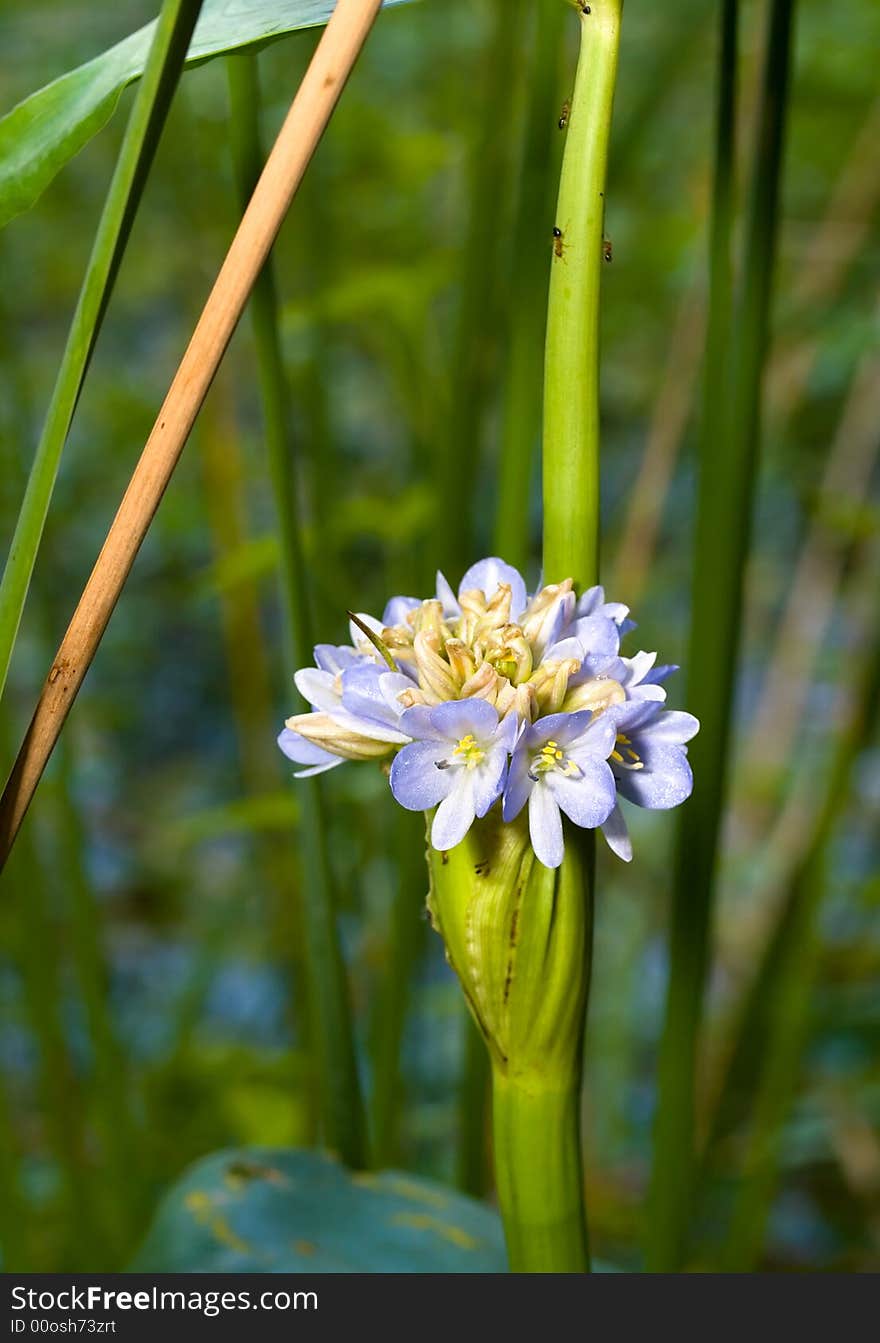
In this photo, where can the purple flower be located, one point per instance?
(357, 716)
(649, 762)
(592, 602)
(485, 577)
(458, 758)
(304, 752)
(560, 764)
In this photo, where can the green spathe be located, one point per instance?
(517, 935)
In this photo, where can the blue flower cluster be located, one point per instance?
(493, 695)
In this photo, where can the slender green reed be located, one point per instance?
(793, 952)
(151, 103)
(728, 468)
(571, 369)
(521, 407)
(330, 1011)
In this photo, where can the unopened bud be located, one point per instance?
(337, 737)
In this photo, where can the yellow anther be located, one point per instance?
(470, 752)
(634, 762)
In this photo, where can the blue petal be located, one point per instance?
(489, 779)
(362, 694)
(446, 597)
(398, 609)
(303, 752)
(587, 800)
(660, 673)
(335, 657)
(673, 727)
(416, 782)
(545, 827)
(455, 815)
(636, 715)
(487, 574)
(617, 835)
(561, 727)
(418, 724)
(664, 782)
(519, 785)
(595, 741)
(458, 717)
(591, 600)
(598, 634)
(318, 687)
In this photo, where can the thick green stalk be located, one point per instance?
(728, 467)
(519, 937)
(539, 1173)
(571, 369)
(151, 103)
(330, 1011)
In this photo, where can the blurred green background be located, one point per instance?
(150, 989)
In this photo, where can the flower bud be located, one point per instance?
(435, 674)
(511, 655)
(337, 737)
(460, 659)
(550, 683)
(547, 613)
(598, 694)
(482, 685)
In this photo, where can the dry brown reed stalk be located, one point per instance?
(297, 140)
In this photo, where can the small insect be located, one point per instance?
(558, 242)
(564, 115)
(607, 250)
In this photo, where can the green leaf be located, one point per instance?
(45, 130)
(274, 1210)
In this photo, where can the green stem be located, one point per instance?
(539, 1173)
(151, 103)
(728, 466)
(330, 1010)
(571, 369)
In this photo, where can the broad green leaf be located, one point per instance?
(39, 135)
(265, 1210)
